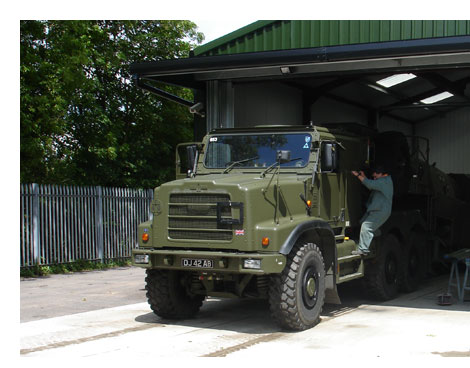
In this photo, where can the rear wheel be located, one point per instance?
(168, 296)
(383, 273)
(414, 263)
(297, 295)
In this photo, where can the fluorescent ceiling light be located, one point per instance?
(436, 98)
(395, 79)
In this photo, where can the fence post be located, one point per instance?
(35, 229)
(99, 223)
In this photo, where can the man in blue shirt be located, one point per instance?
(379, 206)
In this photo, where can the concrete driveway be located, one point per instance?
(103, 314)
(60, 295)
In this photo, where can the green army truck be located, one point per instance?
(273, 212)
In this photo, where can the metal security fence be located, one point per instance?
(63, 224)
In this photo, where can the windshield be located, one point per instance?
(257, 151)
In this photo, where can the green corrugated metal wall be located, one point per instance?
(283, 35)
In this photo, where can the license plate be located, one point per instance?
(197, 263)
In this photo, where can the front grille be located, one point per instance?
(193, 216)
(180, 209)
(199, 198)
(199, 235)
(178, 223)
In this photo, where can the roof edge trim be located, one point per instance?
(299, 56)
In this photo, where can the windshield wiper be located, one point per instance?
(269, 168)
(238, 163)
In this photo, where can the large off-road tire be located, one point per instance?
(383, 274)
(414, 265)
(167, 295)
(297, 295)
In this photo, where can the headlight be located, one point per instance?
(141, 258)
(254, 264)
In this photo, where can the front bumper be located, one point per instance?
(219, 261)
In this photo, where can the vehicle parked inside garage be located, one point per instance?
(273, 212)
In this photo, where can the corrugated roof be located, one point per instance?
(268, 35)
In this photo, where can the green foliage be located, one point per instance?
(83, 120)
(77, 266)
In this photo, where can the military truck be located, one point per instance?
(273, 212)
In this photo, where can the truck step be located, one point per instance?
(350, 277)
(348, 258)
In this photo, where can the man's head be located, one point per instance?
(379, 172)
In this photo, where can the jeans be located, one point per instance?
(371, 221)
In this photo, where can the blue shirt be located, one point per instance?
(381, 195)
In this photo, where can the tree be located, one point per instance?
(83, 121)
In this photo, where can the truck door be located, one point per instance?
(332, 185)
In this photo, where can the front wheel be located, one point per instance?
(168, 296)
(297, 295)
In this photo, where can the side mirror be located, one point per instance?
(186, 159)
(191, 152)
(329, 157)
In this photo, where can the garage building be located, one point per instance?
(411, 75)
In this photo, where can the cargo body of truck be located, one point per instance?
(274, 212)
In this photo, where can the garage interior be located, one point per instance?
(418, 85)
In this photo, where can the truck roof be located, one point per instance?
(265, 128)
(353, 129)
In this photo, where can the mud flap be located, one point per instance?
(331, 292)
(332, 297)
